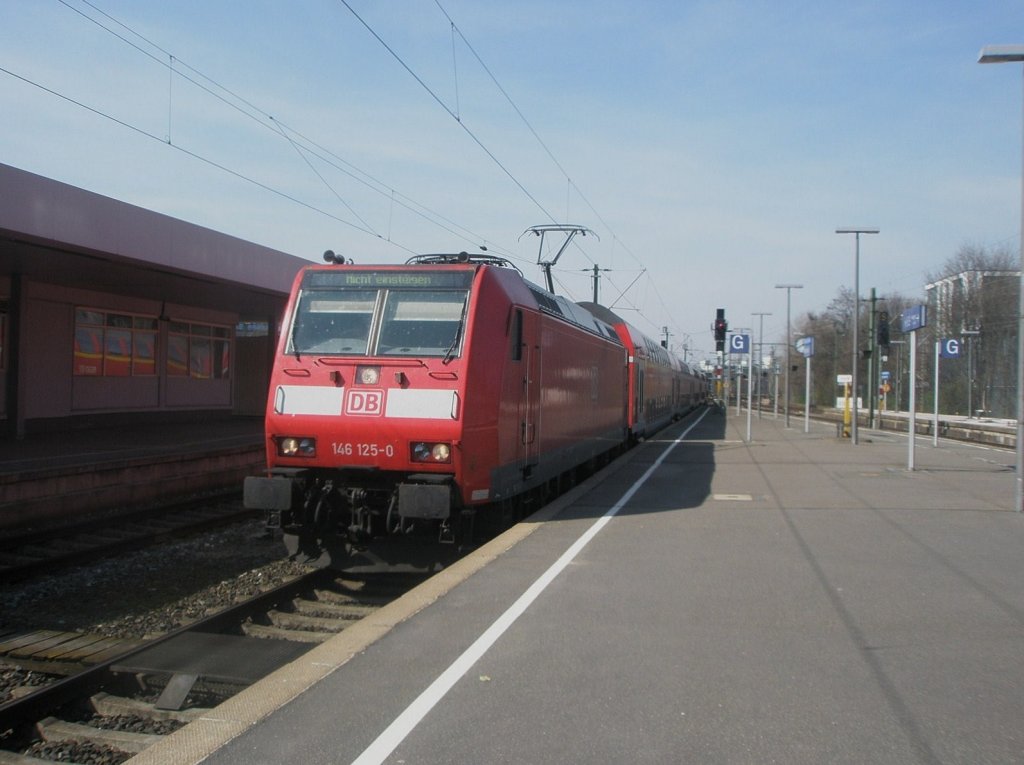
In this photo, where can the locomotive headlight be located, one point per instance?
(296, 447)
(424, 451)
(368, 375)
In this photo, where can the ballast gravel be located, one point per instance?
(153, 591)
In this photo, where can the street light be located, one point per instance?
(789, 291)
(739, 369)
(760, 355)
(899, 370)
(1002, 54)
(970, 334)
(856, 312)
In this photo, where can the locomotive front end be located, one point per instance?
(364, 416)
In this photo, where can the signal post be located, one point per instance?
(720, 328)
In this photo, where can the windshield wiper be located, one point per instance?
(455, 341)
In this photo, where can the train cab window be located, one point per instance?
(387, 322)
(421, 323)
(329, 322)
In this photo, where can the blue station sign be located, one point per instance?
(739, 343)
(914, 318)
(805, 346)
(950, 348)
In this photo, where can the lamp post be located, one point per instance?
(1001, 54)
(856, 312)
(899, 371)
(789, 291)
(739, 370)
(760, 357)
(970, 334)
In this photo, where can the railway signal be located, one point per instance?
(721, 326)
(883, 329)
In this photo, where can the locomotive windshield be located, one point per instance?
(328, 322)
(378, 322)
(419, 323)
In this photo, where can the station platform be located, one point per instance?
(792, 599)
(989, 431)
(44, 477)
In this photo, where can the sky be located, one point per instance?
(711, 148)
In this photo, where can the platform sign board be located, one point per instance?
(739, 343)
(949, 348)
(914, 318)
(805, 346)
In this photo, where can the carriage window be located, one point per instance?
(114, 344)
(333, 322)
(421, 323)
(199, 351)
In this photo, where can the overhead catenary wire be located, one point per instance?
(532, 130)
(296, 139)
(257, 114)
(448, 109)
(326, 183)
(553, 159)
(309, 150)
(189, 153)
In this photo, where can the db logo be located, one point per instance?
(365, 402)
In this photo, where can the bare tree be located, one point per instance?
(833, 350)
(974, 296)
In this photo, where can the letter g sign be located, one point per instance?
(739, 343)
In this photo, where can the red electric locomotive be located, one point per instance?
(405, 398)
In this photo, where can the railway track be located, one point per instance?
(983, 432)
(115, 708)
(47, 550)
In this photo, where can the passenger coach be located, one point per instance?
(661, 387)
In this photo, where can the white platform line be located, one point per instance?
(404, 724)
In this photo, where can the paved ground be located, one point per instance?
(795, 599)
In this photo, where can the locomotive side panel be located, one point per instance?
(557, 390)
(495, 398)
(582, 389)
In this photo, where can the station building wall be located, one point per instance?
(110, 311)
(67, 380)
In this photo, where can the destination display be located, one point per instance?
(411, 279)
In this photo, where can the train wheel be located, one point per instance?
(510, 511)
(309, 549)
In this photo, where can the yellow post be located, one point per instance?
(846, 410)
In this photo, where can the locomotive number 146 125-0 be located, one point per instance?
(348, 449)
